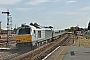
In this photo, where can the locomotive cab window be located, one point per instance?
(24, 31)
(39, 34)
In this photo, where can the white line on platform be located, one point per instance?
(51, 53)
(5, 48)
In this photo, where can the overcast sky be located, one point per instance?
(57, 13)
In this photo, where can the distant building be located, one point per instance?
(4, 31)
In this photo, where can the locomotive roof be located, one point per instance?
(38, 28)
(35, 28)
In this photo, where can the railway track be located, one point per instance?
(28, 54)
(67, 41)
(40, 53)
(9, 54)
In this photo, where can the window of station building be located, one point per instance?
(39, 34)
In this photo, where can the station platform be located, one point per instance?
(77, 53)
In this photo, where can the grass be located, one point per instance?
(82, 41)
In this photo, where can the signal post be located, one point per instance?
(7, 44)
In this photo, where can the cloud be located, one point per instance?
(73, 13)
(23, 9)
(9, 1)
(68, 13)
(71, 1)
(55, 0)
(61, 12)
(85, 8)
(36, 2)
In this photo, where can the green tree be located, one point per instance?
(50, 27)
(34, 24)
(31, 24)
(81, 29)
(72, 29)
(15, 29)
(68, 30)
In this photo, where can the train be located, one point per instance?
(28, 35)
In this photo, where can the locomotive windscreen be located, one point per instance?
(24, 31)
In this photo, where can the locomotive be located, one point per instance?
(33, 36)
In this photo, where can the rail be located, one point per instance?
(42, 52)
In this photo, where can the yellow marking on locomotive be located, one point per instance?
(27, 38)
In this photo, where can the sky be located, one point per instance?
(57, 13)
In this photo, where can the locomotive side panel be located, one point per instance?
(56, 32)
(48, 34)
(39, 35)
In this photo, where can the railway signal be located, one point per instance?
(7, 25)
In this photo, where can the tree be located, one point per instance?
(50, 27)
(72, 28)
(34, 24)
(15, 29)
(31, 24)
(81, 29)
(89, 26)
(68, 30)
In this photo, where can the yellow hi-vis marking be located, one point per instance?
(27, 38)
